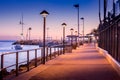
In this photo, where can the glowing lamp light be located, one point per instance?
(71, 30)
(64, 24)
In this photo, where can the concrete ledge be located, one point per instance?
(111, 60)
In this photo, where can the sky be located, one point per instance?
(60, 11)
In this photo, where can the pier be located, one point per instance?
(74, 53)
(84, 63)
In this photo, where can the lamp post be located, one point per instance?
(77, 6)
(29, 32)
(71, 36)
(76, 33)
(64, 25)
(83, 28)
(76, 37)
(44, 14)
(47, 34)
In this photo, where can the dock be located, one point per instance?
(84, 63)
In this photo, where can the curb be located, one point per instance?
(111, 60)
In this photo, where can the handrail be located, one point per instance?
(110, 25)
(109, 38)
(18, 51)
(27, 61)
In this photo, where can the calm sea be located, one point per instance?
(10, 59)
(6, 47)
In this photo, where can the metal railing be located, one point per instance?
(109, 37)
(32, 58)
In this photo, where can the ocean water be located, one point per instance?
(6, 46)
(10, 59)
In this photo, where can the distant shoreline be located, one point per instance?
(7, 40)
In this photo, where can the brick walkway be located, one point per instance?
(85, 63)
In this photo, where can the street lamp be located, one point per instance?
(76, 37)
(83, 28)
(44, 14)
(64, 25)
(77, 6)
(47, 34)
(71, 35)
(29, 32)
(76, 33)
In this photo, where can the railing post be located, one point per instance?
(54, 52)
(35, 57)
(46, 53)
(16, 63)
(63, 50)
(58, 51)
(2, 64)
(28, 60)
(50, 54)
(2, 60)
(42, 55)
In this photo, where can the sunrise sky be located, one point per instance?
(60, 11)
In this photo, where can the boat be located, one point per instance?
(18, 47)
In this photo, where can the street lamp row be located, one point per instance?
(44, 14)
(77, 7)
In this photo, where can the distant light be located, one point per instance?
(75, 32)
(64, 24)
(76, 5)
(71, 29)
(82, 18)
(30, 28)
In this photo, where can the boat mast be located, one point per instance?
(21, 23)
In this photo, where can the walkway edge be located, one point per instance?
(111, 60)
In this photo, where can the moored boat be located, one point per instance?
(18, 47)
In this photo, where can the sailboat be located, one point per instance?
(19, 46)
